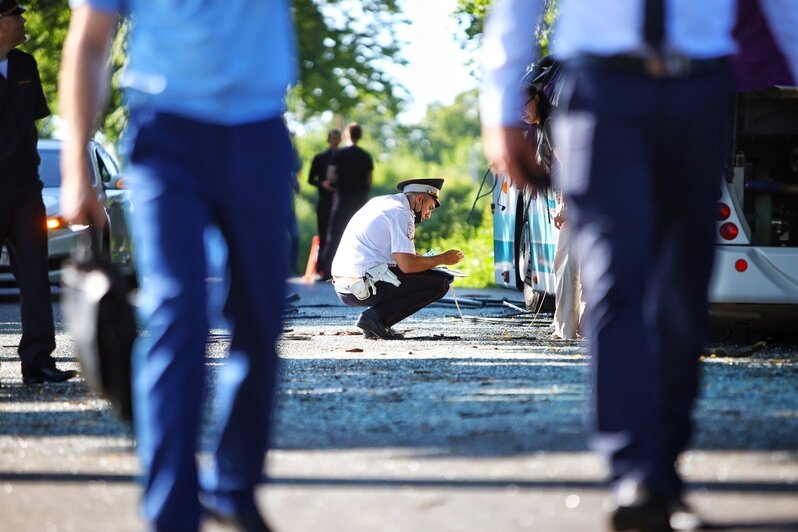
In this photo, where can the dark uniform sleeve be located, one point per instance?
(25, 104)
(314, 176)
(40, 109)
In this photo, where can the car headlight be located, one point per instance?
(55, 222)
(58, 222)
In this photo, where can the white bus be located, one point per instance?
(755, 278)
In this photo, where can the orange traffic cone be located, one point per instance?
(313, 256)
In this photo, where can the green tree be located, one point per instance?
(344, 46)
(472, 14)
(448, 126)
(46, 24)
(443, 144)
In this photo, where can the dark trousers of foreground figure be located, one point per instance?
(642, 164)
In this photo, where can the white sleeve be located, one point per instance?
(106, 6)
(782, 17)
(402, 229)
(507, 48)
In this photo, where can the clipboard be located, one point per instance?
(450, 271)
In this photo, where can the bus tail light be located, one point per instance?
(723, 212)
(729, 231)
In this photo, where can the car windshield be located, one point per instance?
(50, 167)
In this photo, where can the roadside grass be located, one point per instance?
(476, 243)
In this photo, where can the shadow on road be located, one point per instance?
(371, 483)
(453, 406)
(409, 482)
(505, 406)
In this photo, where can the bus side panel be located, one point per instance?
(755, 274)
(543, 241)
(504, 205)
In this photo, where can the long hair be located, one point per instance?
(544, 103)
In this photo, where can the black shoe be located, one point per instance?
(650, 516)
(638, 510)
(248, 520)
(47, 374)
(394, 335)
(370, 325)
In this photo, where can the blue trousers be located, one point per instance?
(187, 175)
(642, 161)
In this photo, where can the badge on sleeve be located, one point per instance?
(411, 230)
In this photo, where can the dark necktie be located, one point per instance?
(654, 23)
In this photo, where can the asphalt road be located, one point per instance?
(467, 424)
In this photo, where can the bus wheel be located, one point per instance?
(531, 298)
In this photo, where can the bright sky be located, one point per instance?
(437, 68)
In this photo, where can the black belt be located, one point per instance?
(653, 67)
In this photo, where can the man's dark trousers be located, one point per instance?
(323, 208)
(344, 206)
(23, 229)
(642, 164)
(391, 304)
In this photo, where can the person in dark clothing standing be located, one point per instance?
(318, 178)
(350, 171)
(22, 214)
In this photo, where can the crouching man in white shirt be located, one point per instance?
(376, 265)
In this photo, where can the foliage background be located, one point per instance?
(344, 47)
(445, 144)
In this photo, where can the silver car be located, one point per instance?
(115, 241)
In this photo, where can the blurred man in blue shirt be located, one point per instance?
(206, 146)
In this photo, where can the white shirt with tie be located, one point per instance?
(696, 29)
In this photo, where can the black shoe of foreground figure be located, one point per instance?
(649, 516)
(639, 510)
(373, 326)
(43, 375)
(248, 520)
